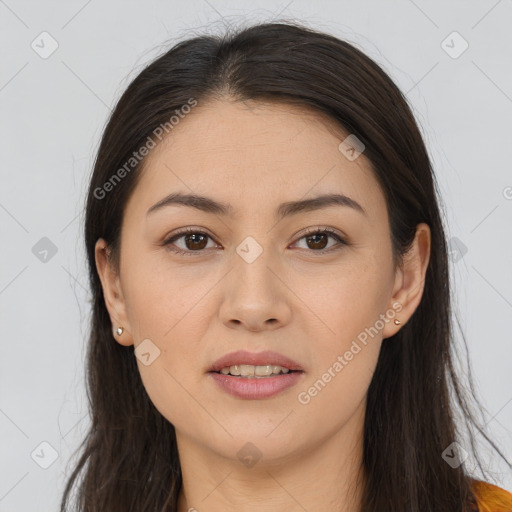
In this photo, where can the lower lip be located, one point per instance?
(253, 388)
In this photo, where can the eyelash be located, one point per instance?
(312, 232)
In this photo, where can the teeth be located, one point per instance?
(248, 370)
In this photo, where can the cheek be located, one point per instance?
(347, 345)
(171, 379)
(349, 303)
(167, 392)
(168, 308)
(343, 362)
(160, 298)
(335, 398)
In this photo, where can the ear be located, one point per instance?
(410, 280)
(112, 292)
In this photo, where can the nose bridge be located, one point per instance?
(253, 263)
(255, 295)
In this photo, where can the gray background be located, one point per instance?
(53, 111)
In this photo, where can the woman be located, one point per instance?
(271, 322)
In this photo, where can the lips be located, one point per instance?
(256, 359)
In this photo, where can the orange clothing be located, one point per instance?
(491, 498)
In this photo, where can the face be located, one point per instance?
(250, 279)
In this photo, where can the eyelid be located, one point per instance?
(320, 229)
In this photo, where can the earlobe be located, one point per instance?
(122, 336)
(410, 280)
(112, 294)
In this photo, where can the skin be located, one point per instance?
(197, 308)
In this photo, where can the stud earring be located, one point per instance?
(119, 331)
(397, 322)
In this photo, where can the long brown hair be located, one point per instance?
(129, 458)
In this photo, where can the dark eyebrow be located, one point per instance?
(209, 205)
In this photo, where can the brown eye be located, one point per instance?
(193, 242)
(318, 239)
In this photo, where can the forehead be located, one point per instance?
(253, 151)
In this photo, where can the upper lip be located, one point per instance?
(257, 359)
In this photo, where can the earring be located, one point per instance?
(397, 322)
(119, 331)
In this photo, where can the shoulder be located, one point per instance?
(491, 498)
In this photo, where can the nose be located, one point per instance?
(255, 296)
